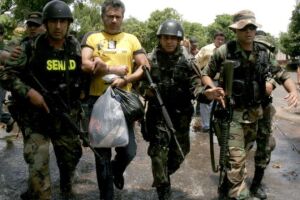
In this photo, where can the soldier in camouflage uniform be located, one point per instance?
(249, 88)
(173, 74)
(265, 141)
(56, 62)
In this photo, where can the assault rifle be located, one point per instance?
(58, 108)
(164, 111)
(220, 122)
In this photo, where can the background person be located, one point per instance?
(5, 117)
(202, 58)
(34, 25)
(193, 46)
(265, 141)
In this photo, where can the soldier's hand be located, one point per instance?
(121, 70)
(216, 93)
(100, 67)
(15, 53)
(37, 99)
(292, 98)
(119, 82)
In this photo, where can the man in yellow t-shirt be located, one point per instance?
(112, 52)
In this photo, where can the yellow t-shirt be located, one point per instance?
(114, 50)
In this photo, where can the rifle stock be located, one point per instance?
(164, 111)
(226, 118)
(223, 118)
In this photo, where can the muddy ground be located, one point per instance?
(195, 179)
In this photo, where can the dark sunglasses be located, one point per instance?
(1, 33)
(29, 24)
(248, 27)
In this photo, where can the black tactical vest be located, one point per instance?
(172, 74)
(59, 71)
(249, 78)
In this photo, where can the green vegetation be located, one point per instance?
(87, 18)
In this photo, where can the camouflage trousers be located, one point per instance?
(265, 141)
(165, 155)
(241, 138)
(67, 148)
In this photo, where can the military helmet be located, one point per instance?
(57, 10)
(170, 27)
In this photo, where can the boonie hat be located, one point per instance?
(243, 18)
(35, 17)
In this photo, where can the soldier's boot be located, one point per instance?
(164, 192)
(223, 189)
(26, 195)
(256, 189)
(66, 181)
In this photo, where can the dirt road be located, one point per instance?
(195, 179)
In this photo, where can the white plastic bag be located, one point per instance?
(108, 127)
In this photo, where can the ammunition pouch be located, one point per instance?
(266, 101)
(244, 94)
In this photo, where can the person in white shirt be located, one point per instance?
(202, 58)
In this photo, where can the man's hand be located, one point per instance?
(37, 99)
(121, 70)
(15, 53)
(119, 82)
(99, 67)
(292, 98)
(217, 94)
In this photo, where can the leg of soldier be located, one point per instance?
(175, 158)
(104, 174)
(36, 155)
(67, 148)
(241, 136)
(265, 144)
(124, 155)
(158, 151)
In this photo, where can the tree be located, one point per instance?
(221, 23)
(6, 5)
(196, 30)
(290, 41)
(14, 12)
(137, 28)
(87, 16)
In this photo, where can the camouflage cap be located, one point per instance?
(193, 40)
(243, 18)
(35, 17)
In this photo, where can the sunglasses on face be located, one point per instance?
(33, 25)
(1, 33)
(248, 27)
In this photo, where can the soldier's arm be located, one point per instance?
(292, 97)
(140, 60)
